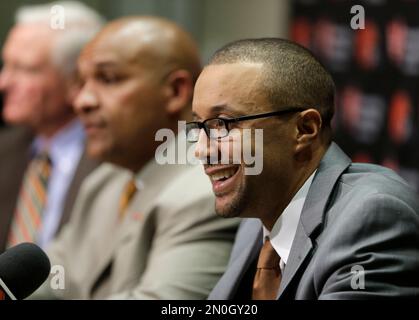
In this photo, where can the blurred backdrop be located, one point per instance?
(211, 22)
(376, 69)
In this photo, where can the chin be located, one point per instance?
(11, 117)
(96, 152)
(229, 206)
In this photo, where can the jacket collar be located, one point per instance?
(331, 167)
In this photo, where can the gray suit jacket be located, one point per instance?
(358, 238)
(14, 157)
(170, 244)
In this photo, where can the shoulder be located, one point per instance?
(105, 176)
(371, 203)
(368, 186)
(372, 221)
(373, 176)
(14, 138)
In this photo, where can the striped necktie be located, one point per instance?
(127, 194)
(27, 218)
(268, 274)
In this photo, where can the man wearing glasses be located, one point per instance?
(325, 228)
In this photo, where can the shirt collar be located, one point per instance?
(285, 227)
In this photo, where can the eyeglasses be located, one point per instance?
(216, 128)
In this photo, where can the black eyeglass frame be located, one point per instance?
(227, 121)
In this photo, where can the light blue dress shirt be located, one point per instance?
(65, 150)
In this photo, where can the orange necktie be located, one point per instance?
(27, 219)
(126, 197)
(268, 274)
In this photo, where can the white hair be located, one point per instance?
(79, 25)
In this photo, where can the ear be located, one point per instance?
(180, 89)
(309, 125)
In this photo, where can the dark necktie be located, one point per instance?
(268, 274)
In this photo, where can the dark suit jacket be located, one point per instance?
(14, 157)
(357, 238)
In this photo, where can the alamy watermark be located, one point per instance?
(57, 279)
(243, 146)
(358, 20)
(358, 277)
(57, 21)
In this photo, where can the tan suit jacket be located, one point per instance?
(170, 244)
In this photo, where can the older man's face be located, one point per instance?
(229, 91)
(121, 102)
(34, 90)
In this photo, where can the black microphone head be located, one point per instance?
(24, 268)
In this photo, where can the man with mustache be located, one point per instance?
(139, 231)
(326, 228)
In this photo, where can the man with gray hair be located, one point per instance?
(42, 153)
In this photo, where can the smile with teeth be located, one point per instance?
(223, 175)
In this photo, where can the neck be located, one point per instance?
(135, 167)
(301, 173)
(135, 161)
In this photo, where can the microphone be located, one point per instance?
(23, 268)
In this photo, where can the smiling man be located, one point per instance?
(326, 228)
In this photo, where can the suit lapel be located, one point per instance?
(108, 225)
(331, 167)
(154, 177)
(84, 168)
(301, 247)
(231, 279)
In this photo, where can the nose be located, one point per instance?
(86, 100)
(205, 148)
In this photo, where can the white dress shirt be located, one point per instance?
(65, 150)
(284, 229)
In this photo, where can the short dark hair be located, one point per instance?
(293, 76)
